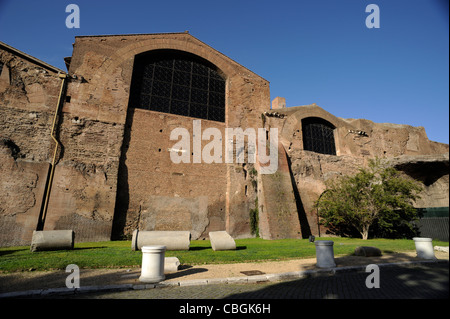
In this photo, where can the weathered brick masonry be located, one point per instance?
(113, 171)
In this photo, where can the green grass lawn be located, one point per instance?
(117, 254)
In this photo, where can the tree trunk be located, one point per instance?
(365, 233)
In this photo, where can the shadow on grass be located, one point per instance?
(87, 248)
(204, 248)
(12, 251)
(198, 248)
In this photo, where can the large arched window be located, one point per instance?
(179, 83)
(318, 136)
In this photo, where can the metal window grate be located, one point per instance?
(318, 136)
(179, 84)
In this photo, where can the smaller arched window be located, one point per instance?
(179, 83)
(318, 136)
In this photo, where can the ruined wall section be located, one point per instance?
(91, 132)
(158, 194)
(28, 98)
(248, 96)
(388, 140)
(356, 137)
(85, 180)
(357, 141)
(143, 196)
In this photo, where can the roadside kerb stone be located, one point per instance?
(193, 282)
(217, 281)
(17, 294)
(290, 275)
(257, 278)
(163, 284)
(58, 291)
(441, 248)
(104, 288)
(139, 287)
(237, 280)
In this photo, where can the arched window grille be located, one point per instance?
(318, 136)
(179, 83)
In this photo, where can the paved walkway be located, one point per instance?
(282, 279)
(413, 281)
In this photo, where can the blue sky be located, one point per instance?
(311, 51)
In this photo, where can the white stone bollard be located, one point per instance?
(152, 264)
(325, 254)
(424, 248)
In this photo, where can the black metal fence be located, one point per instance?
(434, 223)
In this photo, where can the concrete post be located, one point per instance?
(152, 264)
(52, 240)
(325, 254)
(424, 247)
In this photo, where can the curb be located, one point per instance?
(200, 282)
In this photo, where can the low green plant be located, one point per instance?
(254, 219)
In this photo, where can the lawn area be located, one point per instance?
(118, 254)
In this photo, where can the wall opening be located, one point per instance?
(179, 83)
(318, 136)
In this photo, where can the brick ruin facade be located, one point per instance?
(113, 171)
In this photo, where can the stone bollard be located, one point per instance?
(424, 248)
(152, 264)
(52, 240)
(325, 254)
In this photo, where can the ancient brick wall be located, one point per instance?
(357, 141)
(114, 173)
(28, 97)
(100, 128)
(158, 194)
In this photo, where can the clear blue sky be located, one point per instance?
(311, 51)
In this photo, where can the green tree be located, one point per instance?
(376, 194)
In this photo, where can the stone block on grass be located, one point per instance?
(52, 240)
(221, 240)
(173, 240)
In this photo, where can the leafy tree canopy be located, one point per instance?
(377, 196)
